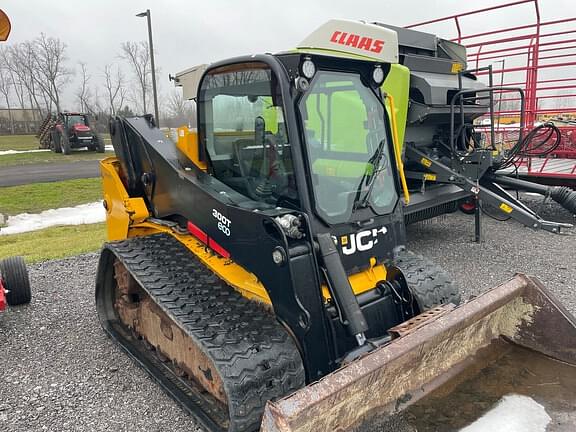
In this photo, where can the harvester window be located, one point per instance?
(347, 145)
(243, 131)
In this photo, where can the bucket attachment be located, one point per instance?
(447, 369)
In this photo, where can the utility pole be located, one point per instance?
(147, 15)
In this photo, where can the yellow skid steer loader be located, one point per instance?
(257, 268)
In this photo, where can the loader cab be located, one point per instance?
(320, 144)
(248, 134)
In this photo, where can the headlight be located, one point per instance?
(308, 68)
(278, 256)
(378, 75)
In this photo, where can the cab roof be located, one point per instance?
(356, 38)
(335, 38)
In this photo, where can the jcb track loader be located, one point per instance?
(257, 269)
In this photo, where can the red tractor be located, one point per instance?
(69, 130)
(14, 283)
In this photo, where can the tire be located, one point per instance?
(429, 283)
(99, 145)
(15, 280)
(56, 145)
(65, 144)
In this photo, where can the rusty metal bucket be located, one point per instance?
(515, 339)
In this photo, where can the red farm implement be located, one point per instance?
(536, 55)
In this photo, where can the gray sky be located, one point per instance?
(187, 33)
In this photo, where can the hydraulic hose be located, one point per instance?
(564, 196)
(536, 143)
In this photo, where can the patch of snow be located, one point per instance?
(11, 152)
(513, 413)
(79, 215)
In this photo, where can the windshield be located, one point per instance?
(72, 120)
(347, 147)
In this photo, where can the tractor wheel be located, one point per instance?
(429, 284)
(15, 279)
(65, 144)
(56, 145)
(99, 145)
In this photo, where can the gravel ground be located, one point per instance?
(507, 248)
(61, 373)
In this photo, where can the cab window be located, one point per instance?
(244, 134)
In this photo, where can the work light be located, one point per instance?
(308, 68)
(378, 75)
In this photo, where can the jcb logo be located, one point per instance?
(361, 241)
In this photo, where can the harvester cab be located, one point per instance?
(265, 250)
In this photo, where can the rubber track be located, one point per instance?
(428, 282)
(256, 357)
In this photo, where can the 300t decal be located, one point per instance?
(223, 222)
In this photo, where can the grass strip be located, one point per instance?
(53, 243)
(29, 142)
(37, 197)
(18, 142)
(49, 157)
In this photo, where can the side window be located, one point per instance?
(243, 131)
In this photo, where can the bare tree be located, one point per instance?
(21, 62)
(115, 89)
(12, 60)
(37, 73)
(49, 64)
(84, 94)
(97, 106)
(6, 90)
(175, 103)
(179, 111)
(137, 54)
(15, 60)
